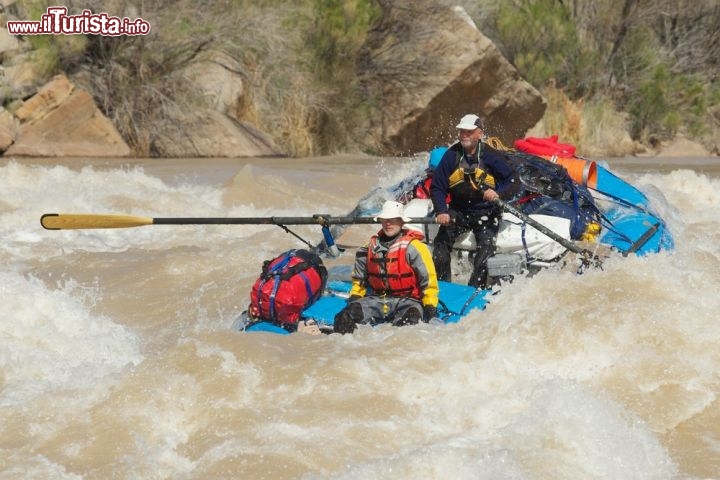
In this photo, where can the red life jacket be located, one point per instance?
(422, 189)
(391, 274)
(581, 170)
(545, 147)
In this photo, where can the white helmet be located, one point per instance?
(392, 209)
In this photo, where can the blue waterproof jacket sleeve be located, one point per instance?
(507, 182)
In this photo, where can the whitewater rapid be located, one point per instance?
(117, 359)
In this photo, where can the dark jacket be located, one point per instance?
(507, 182)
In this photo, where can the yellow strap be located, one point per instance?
(497, 144)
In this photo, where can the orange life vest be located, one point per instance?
(391, 274)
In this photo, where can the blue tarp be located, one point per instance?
(633, 227)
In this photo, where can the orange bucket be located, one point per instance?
(583, 172)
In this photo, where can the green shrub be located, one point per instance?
(541, 40)
(53, 53)
(649, 104)
(668, 103)
(338, 31)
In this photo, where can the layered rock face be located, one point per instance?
(63, 121)
(427, 65)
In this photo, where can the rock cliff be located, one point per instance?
(63, 121)
(422, 68)
(427, 65)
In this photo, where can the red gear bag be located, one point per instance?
(288, 285)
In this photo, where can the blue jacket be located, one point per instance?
(507, 182)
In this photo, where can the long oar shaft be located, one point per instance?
(542, 228)
(321, 220)
(70, 221)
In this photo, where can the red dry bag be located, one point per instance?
(288, 285)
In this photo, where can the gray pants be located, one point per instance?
(374, 310)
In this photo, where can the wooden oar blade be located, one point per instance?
(72, 221)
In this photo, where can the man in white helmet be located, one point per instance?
(474, 175)
(394, 279)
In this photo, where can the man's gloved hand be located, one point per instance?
(352, 298)
(429, 312)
